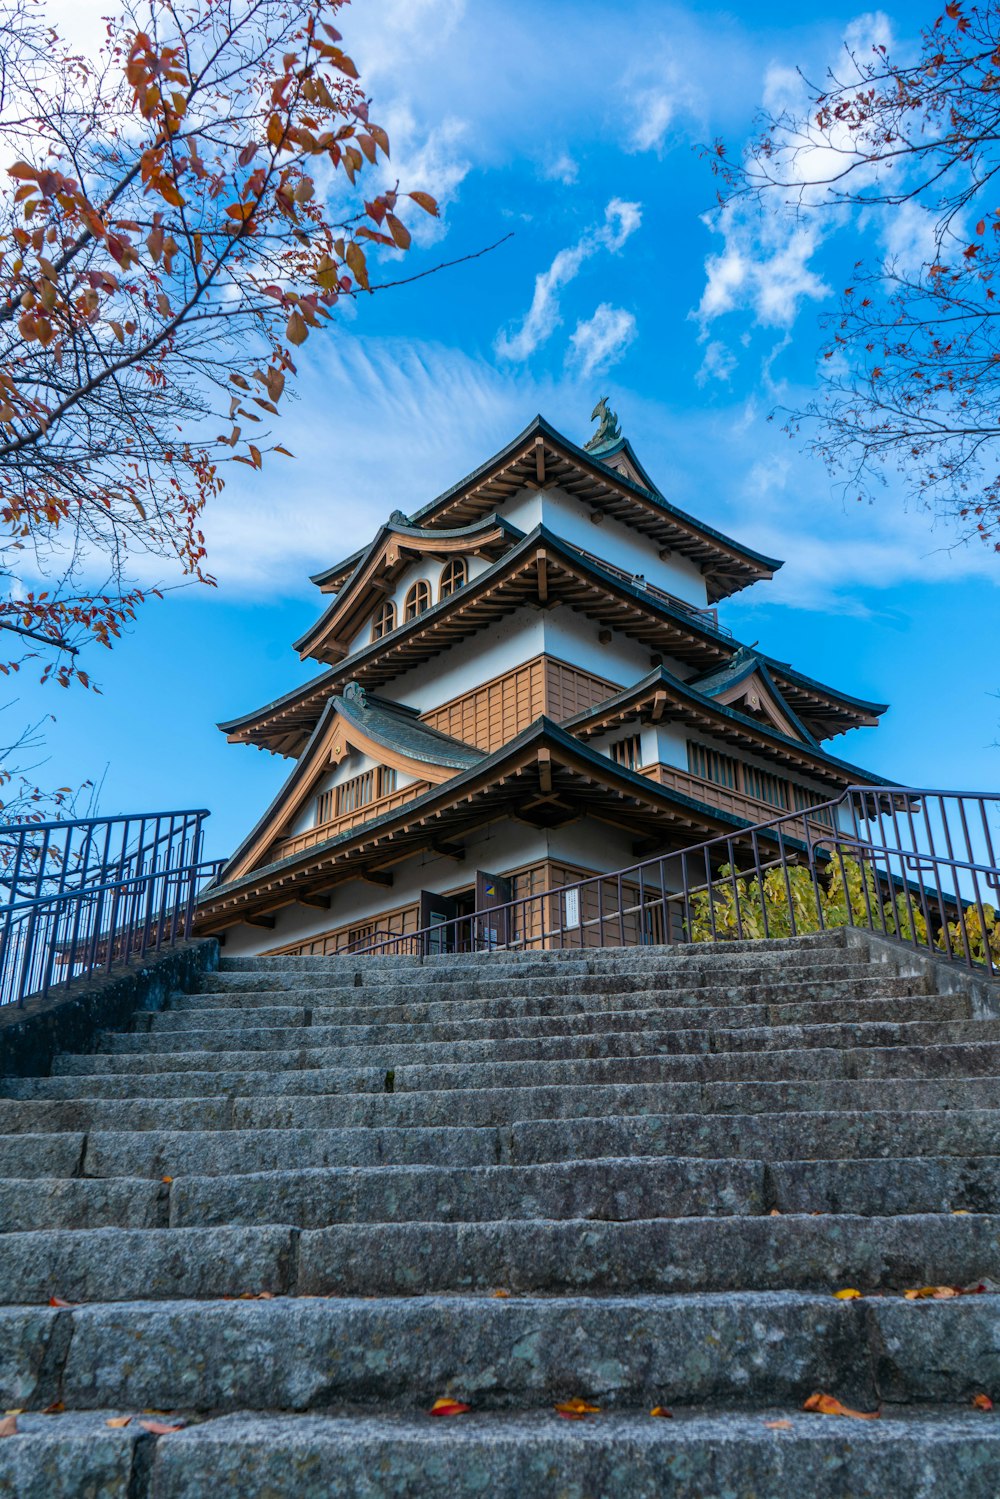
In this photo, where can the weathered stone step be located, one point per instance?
(660, 1255)
(313, 1047)
(492, 1106)
(511, 1018)
(724, 980)
(609, 1190)
(41, 1155)
(944, 1452)
(322, 1071)
(234, 1033)
(771, 1137)
(607, 965)
(947, 1453)
(545, 961)
(302, 1354)
(868, 1134)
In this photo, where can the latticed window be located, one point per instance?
(627, 752)
(417, 600)
(370, 785)
(385, 620)
(710, 765)
(803, 799)
(453, 577)
(765, 787)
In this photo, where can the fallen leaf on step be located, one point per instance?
(256, 1296)
(661, 1410)
(17, 1411)
(55, 1409)
(829, 1405)
(576, 1409)
(778, 1425)
(847, 1294)
(960, 1212)
(118, 1421)
(58, 1301)
(160, 1428)
(501, 1295)
(932, 1293)
(8, 1426)
(445, 1407)
(167, 1179)
(982, 1403)
(775, 1213)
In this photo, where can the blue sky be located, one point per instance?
(572, 126)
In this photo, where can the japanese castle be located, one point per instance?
(524, 683)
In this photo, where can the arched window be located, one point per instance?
(453, 577)
(417, 600)
(385, 620)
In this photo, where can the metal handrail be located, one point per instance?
(750, 882)
(84, 894)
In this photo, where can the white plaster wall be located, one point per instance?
(428, 568)
(671, 745)
(612, 540)
(470, 662)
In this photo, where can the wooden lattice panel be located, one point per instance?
(493, 714)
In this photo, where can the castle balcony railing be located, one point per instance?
(638, 580)
(917, 866)
(80, 897)
(358, 815)
(726, 798)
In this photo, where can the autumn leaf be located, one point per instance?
(58, 1301)
(982, 1403)
(55, 1409)
(778, 1425)
(160, 1428)
(847, 1294)
(501, 1294)
(932, 1293)
(446, 1407)
(296, 332)
(118, 1421)
(661, 1410)
(426, 202)
(828, 1405)
(167, 1179)
(8, 1426)
(576, 1409)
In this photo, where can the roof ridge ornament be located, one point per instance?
(608, 431)
(355, 694)
(397, 518)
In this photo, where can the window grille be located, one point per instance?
(765, 787)
(453, 577)
(627, 752)
(417, 599)
(802, 800)
(340, 800)
(385, 620)
(710, 765)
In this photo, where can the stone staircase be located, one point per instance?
(300, 1205)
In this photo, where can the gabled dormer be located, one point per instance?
(745, 683)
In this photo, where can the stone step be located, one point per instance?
(947, 1453)
(771, 1137)
(721, 980)
(314, 1047)
(163, 1025)
(659, 1256)
(546, 961)
(322, 1071)
(313, 1353)
(624, 968)
(786, 1136)
(607, 1190)
(41, 1155)
(492, 1106)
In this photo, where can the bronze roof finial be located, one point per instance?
(608, 431)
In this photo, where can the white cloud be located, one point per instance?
(718, 363)
(763, 267)
(621, 220)
(563, 169)
(654, 110)
(602, 340)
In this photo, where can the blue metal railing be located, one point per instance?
(80, 896)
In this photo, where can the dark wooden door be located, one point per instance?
(435, 912)
(493, 927)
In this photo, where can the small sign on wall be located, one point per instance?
(571, 908)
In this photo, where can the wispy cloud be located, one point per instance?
(621, 220)
(601, 341)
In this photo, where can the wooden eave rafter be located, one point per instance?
(659, 704)
(336, 740)
(329, 638)
(541, 458)
(591, 785)
(821, 710)
(541, 574)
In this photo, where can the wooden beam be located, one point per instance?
(316, 902)
(540, 459)
(542, 575)
(545, 771)
(448, 850)
(258, 920)
(378, 877)
(659, 707)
